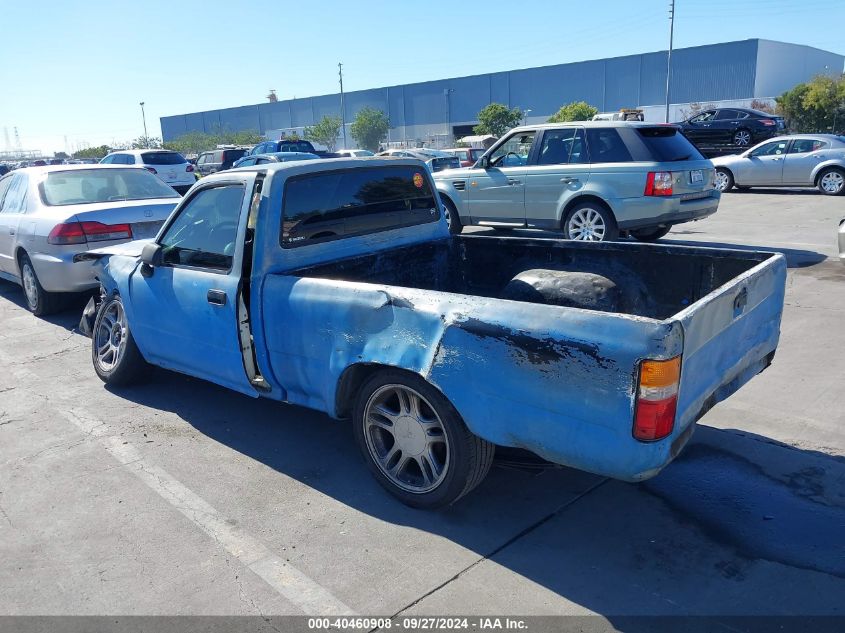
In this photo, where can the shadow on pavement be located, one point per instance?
(739, 524)
(67, 317)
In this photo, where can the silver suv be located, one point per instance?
(591, 180)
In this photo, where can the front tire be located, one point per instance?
(650, 235)
(590, 222)
(724, 180)
(453, 220)
(415, 442)
(39, 301)
(832, 182)
(117, 359)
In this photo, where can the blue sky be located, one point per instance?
(78, 69)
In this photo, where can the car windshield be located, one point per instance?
(162, 158)
(90, 186)
(663, 144)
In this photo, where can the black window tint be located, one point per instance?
(704, 116)
(205, 231)
(726, 115)
(661, 143)
(338, 204)
(804, 145)
(162, 158)
(562, 147)
(606, 146)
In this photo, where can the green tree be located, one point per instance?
(92, 152)
(145, 142)
(61, 155)
(575, 111)
(325, 131)
(496, 119)
(815, 106)
(369, 128)
(196, 142)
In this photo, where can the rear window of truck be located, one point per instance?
(331, 205)
(661, 143)
(162, 158)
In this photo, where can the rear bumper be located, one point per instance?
(59, 273)
(635, 213)
(842, 241)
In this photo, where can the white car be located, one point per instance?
(171, 167)
(49, 215)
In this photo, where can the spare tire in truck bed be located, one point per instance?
(564, 288)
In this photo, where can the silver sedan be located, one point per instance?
(50, 214)
(798, 160)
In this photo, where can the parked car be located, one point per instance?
(277, 157)
(170, 167)
(49, 214)
(4, 169)
(353, 153)
(589, 180)
(798, 160)
(740, 127)
(434, 159)
(335, 285)
(466, 155)
(289, 145)
(218, 160)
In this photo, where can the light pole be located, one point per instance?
(525, 116)
(669, 56)
(446, 93)
(144, 118)
(342, 104)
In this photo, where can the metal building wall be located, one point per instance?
(719, 72)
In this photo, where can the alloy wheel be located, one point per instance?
(110, 336)
(586, 225)
(722, 181)
(30, 285)
(406, 438)
(742, 138)
(832, 182)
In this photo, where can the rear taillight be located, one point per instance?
(82, 232)
(767, 122)
(151, 169)
(658, 183)
(657, 399)
(189, 168)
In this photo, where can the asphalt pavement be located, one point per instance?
(180, 497)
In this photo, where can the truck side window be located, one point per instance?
(204, 233)
(561, 147)
(514, 151)
(606, 146)
(330, 205)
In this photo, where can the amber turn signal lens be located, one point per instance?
(660, 373)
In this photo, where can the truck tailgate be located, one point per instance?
(729, 336)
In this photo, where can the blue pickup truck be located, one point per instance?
(336, 285)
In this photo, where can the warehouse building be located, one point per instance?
(434, 113)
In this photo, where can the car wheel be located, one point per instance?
(724, 180)
(742, 138)
(117, 359)
(590, 222)
(453, 220)
(39, 301)
(415, 442)
(650, 235)
(832, 182)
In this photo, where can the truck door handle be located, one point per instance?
(216, 297)
(567, 180)
(513, 182)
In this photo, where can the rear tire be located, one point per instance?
(832, 182)
(39, 301)
(453, 220)
(650, 235)
(742, 138)
(724, 180)
(117, 359)
(415, 442)
(590, 222)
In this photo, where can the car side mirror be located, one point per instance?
(151, 254)
(484, 162)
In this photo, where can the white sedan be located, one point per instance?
(50, 214)
(798, 160)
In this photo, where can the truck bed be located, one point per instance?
(652, 281)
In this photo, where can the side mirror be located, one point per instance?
(483, 162)
(151, 254)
